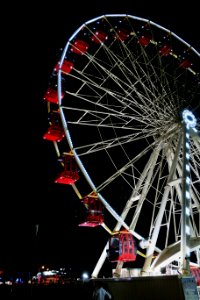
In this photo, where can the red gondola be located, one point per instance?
(185, 64)
(79, 47)
(51, 95)
(99, 37)
(122, 34)
(144, 40)
(67, 66)
(70, 174)
(55, 132)
(94, 211)
(122, 247)
(165, 50)
(195, 271)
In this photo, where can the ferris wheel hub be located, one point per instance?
(189, 118)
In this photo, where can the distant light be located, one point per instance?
(85, 275)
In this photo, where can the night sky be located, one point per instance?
(29, 194)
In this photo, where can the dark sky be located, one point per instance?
(29, 195)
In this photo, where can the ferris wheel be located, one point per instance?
(124, 107)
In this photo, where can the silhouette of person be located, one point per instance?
(101, 294)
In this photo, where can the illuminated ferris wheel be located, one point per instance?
(123, 104)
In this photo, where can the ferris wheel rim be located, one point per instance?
(187, 116)
(68, 136)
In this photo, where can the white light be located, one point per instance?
(187, 211)
(188, 180)
(189, 118)
(187, 145)
(85, 275)
(187, 167)
(187, 155)
(187, 195)
(187, 135)
(187, 230)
